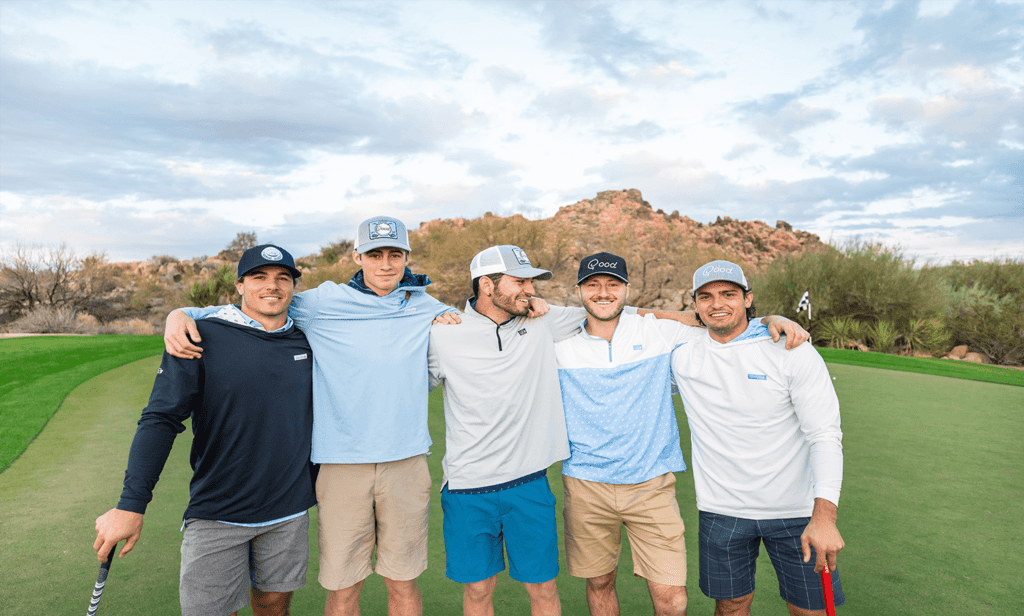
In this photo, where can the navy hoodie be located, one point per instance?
(250, 399)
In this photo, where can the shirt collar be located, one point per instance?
(233, 314)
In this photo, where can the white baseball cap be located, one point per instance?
(509, 260)
(381, 232)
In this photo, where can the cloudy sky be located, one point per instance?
(165, 127)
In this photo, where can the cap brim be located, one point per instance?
(389, 243)
(612, 274)
(531, 273)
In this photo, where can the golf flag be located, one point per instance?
(826, 586)
(805, 303)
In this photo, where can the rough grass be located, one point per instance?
(932, 508)
(37, 372)
(924, 365)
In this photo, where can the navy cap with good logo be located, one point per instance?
(266, 254)
(603, 263)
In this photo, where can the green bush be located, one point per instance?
(989, 324)
(882, 335)
(1001, 278)
(928, 336)
(217, 290)
(865, 282)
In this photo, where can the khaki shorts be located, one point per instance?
(362, 506)
(595, 512)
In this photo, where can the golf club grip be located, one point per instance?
(101, 581)
(826, 587)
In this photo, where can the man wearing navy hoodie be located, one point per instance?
(250, 399)
(370, 404)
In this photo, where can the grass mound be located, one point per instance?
(39, 371)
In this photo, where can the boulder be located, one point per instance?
(977, 358)
(958, 352)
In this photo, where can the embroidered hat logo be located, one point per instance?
(271, 254)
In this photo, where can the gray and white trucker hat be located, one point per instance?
(719, 271)
(381, 232)
(509, 260)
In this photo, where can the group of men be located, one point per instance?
(334, 379)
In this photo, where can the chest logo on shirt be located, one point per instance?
(300, 357)
(757, 377)
(159, 370)
(522, 332)
(638, 347)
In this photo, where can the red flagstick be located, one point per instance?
(826, 585)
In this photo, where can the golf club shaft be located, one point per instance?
(101, 581)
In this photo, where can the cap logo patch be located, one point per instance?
(381, 229)
(713, 269)
(595, 263)
(521, 256)
(271, 254)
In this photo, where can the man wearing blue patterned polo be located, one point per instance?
(624, 441)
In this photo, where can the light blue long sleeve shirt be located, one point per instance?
(369, 369)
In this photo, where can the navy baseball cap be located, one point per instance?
(719, 271)
(603, 263)
(266, 254)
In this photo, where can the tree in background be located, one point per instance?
(32, 276)
(244, 240)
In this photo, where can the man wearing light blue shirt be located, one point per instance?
(624, 441)
(370, 436)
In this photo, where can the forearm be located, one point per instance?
(825, 511)
(687, 317)
(149, 452)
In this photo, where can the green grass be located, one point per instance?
(39, 371)
(932, 508)
(925, 365)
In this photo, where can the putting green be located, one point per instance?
(932, 508)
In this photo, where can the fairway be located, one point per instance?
(932, 509)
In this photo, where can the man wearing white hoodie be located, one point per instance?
(767, 452)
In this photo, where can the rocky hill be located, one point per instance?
(662, 250)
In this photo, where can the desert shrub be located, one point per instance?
(135, 326)
(866, 282)
(834, 332)
(928, 336)
(882, 335)
(51, 320)
(1001, 278)
(340, 272)
(987, 323)
(219, 289)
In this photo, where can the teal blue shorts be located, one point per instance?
(522, 518)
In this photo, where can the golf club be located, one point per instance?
(101, 581)
(826, 586)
